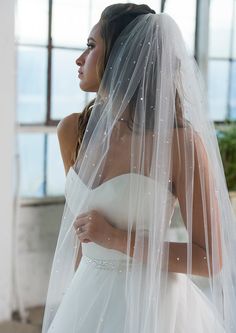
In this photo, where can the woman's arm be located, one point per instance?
(67, 133)
(203, 216)
(177, 254)
(204, 219)
(100, 231)
(67, 136)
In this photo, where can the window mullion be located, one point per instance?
(231, 59)
(202, 36)
(163, 2)
(45, 165)
(48, 108)
(49, 68)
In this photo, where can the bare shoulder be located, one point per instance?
(68, 124)
(67, 132)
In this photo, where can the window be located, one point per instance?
(51, 34)
(222, 60)
(184, 13)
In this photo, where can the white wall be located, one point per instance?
(37, 236)
(7, 119)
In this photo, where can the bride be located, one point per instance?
(141, 148)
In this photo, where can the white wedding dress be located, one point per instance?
(95, 299)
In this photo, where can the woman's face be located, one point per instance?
(87, 62)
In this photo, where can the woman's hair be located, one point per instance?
(113, 20)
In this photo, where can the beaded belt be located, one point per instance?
(110, 265)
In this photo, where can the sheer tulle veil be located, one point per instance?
(150, 121)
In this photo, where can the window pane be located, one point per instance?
(184, 13)
(97, 6)
(67, 97)
(55, 169)
(31, 84)
(32, 21)
(31, 150)
(154, 4)
(70, 22)
(234, 33)
(233, 92)
(218, 76)
(220, 27)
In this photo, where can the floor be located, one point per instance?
(33, 324)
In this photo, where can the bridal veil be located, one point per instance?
(150, 120)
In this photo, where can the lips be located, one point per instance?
(80, 74)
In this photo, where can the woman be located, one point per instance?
(140, 147)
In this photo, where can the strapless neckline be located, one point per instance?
(113, 179)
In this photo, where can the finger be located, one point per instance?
(80, 222)
(83, 236)
(80, 229)
(81, 218)
(87, 241)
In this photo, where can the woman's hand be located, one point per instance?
(93, 227)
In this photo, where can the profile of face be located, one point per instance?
(89, 59)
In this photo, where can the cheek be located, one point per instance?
(92, 59)
(90, 81)
(90, 71)
(93, 64)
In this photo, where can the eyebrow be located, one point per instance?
(91, 39)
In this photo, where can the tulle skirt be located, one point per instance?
(95, 302)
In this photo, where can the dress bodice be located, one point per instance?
(113, 200)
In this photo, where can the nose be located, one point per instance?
(79, 61)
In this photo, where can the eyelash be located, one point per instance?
(90, 46)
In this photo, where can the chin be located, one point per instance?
(87, 88)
